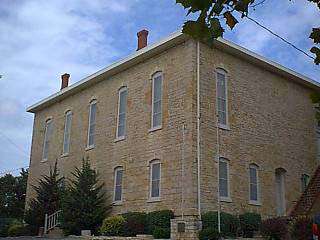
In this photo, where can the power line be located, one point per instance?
(281, 38)
(14, 144)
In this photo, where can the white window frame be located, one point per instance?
(116, 170)
(225, 198)
(89, 124)
(154, 76)
(258, 201)
(122, 89)
(67, 132)
(154, 162)
(225, 73)
(46, 140)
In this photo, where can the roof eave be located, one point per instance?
(142, 54)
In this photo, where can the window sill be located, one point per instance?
(151, 200)
(255, 203)
(117, 203)
(225, 199)
(153, 129)
(224, 127)
(64, 155)
(44, 161)
(118, 139)
(89, 148)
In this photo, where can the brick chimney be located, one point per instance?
(142, 39)
(65, 80)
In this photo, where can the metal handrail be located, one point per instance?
(51, 221)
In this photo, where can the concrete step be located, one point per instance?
(55, 233)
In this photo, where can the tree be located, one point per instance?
(84, 203)
(48, 198)
(211, 12)
(12, 195)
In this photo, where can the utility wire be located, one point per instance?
(14, 144)
(282, 38)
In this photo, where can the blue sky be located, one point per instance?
(40, 40)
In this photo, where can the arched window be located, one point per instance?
(156, 116)
(122, 108)
(47, 136)
(254, 186)
(118, 175)
(280, 175)
(67, 132)
(224, 182)
(92, 123)
(155, 179)
(222, 97)
(305, 178)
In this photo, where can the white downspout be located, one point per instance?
(218, 159)
(198, 128)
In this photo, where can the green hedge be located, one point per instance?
(249, 223)
(229, 223)
(161, 233)
(209, 234)
(159, 219)
(113, 226)
(135, 223)
(4, 226)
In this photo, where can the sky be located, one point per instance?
(40, 40)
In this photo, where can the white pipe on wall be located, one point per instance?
(198, 129)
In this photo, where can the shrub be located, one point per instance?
(113, 226)
(274, 228)
(209, 234)
(135, 223)
(17, 229)
(249, 223)
(4, 226)
(161, 233)
(301, 228)
(159, 219)
(229, 223)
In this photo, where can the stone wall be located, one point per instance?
(272, 125)
(141, 145)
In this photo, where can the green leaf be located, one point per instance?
(316, 51)
(215, 28)
(315, 35)
(315, 97)
(230, 19)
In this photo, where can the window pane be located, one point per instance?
(223, 179)
(157, 119)
(155, 191)
(156, 171)
(157, 88)
(223, 170)
(253, 175)
(253, 192)
(93, 113)
(123, 100)
(221, 86)
(222, 118)
(157, 107)
(119, 177)
(222, 105)
(118, 185)
(223, 188)
(118, 193)
(67, 130)
(47, 135)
